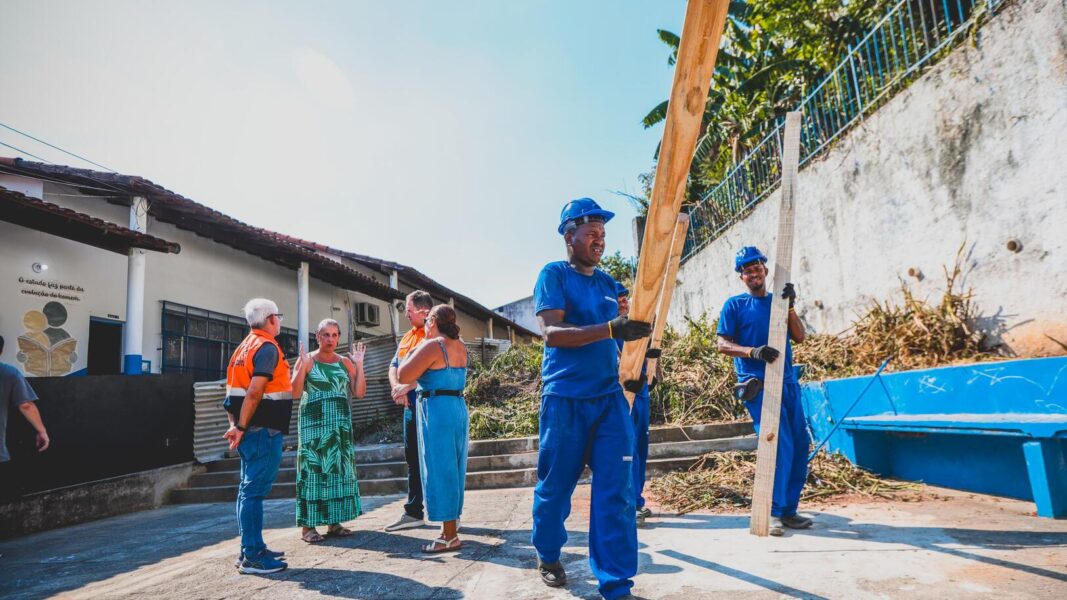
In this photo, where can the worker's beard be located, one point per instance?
(758, 290)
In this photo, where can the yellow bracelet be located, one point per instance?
(609, 329)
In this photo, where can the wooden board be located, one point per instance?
(663, 304)
(767, 450)
(697, 51)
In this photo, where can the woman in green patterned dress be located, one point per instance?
(327, 492)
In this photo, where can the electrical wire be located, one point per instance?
(21, 151)
(20, 173)
(23, 133)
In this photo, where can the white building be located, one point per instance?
(520, 311)
(82, 296)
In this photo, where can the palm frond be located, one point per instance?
(656, 115)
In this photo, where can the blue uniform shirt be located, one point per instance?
(587, 371)
(746, 320)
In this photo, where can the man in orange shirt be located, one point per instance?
(416, 309)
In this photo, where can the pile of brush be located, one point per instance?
(915, 333)
(504, 397)
(723, 481)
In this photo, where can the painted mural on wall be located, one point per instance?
(45, 348)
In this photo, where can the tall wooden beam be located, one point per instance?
(767, 449)
(697, 51)
(663, 305)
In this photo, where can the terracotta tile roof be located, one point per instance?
(56, 220)
(173, 208)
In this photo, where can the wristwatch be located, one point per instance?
(238, 427)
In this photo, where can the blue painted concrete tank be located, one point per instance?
(997, 427)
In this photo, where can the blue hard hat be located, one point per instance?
(747, 255)
(582, 210)
(620, 290)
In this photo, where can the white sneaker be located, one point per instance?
(405, 521)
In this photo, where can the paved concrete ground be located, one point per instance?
(955, 547)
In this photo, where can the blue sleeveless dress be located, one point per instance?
(443, 430)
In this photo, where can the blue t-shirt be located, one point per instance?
(265, 361)
(586, 371)
(14, 390)
(746, 320)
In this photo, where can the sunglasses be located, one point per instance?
(279, 315)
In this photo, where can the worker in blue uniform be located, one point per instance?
(640, 413)
(585, 419)
(743, 334)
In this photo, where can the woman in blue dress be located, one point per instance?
(439, 366)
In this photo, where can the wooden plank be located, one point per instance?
(697, 52)
(663, 305)
(767, 450)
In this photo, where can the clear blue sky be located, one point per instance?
(443, 135)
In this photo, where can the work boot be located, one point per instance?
(796, 522)
(643, 513)
(552, 573)
(775, 528)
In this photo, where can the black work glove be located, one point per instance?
(626, 330)
(764, 353)
(790, 293)
(654, 353)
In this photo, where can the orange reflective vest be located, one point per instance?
(239, 371)
(276, 409)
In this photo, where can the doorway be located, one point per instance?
(105, 347)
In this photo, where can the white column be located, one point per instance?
(133, 332)
(452, 302)
(302, 304)
(489, 326)
(394, 314)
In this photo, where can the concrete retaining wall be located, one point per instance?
(971, 154)
(90, 501)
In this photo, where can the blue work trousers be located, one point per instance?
(791, 463)
(261, 455)
(640, 415)
(599, 433)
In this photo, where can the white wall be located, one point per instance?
(522, 312)
(972, 152)
(98, 276)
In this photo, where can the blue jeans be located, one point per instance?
(261, 455)
(599, 433)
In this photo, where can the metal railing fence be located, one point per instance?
(912, 34)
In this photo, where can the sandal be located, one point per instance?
(312, 537)
(338, 531)
(442, 545)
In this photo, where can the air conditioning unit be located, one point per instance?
(367, 314)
